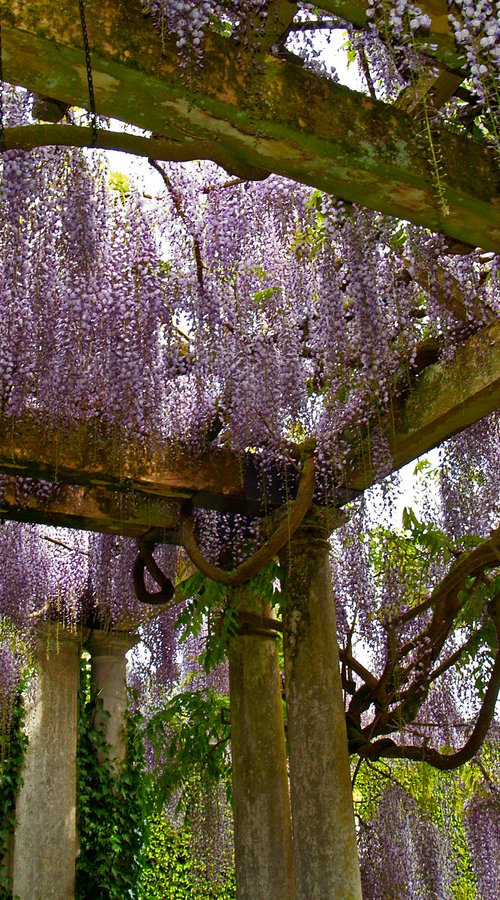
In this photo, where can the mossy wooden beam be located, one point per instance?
(132, 514)
(78, 456)
(130, 492)
(273, 117)
(444, 400)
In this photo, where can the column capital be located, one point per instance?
(316, 528)
(110, 643)
(52, 636)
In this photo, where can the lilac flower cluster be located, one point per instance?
(402, 853)
(470, 481)
(476, 27)
(190, 21)
(398, 16)
(483, 832)
(9, 680)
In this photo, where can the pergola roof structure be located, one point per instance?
(274, 117)
(119, 493)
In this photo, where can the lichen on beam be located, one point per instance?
(446, 399)
(273, 117)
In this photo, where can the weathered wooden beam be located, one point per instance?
(273, 117)
(132, 514)
(280, 16)
(445, 400)
(77, 456)
(131, 493)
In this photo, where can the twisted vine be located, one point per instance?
(145, 560)
(284, 531)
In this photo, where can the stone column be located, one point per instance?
(326, 859)
(45, 840)
(109, 684)
(262, 827)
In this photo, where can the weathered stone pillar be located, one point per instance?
(326, 859)
(108, 677)
(262, 827)
(45, 840)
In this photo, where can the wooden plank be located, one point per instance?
(133, 493)
(275, 117)
(445, 400)
(91, 509)
(78, 455)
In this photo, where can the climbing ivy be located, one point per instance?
(13, 743)
(111, 807)
(172, 868)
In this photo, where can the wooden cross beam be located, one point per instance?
(275, 117)
(127, 492)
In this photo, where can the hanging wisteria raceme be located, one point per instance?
(470, 479)
(263, 312)
(483, 832)
(476, 28)
(402, 853)
(190, 21)
(44, 575)
(9, 681)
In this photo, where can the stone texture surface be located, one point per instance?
(45, 842)
(326, 859)
(109, 684)
(263, 839)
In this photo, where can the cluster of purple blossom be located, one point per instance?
(477, 29)
(9, 680)
(399, 16)
(190, 21)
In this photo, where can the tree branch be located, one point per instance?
(29, 137)
(444, 761)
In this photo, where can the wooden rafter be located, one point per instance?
(132, 494)
(275, 117)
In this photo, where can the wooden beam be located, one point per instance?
(78, 456)
(445, 400)
(132, 514)
(276, 117)
(131, 493)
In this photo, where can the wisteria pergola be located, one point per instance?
(281, 119)
(288, 121)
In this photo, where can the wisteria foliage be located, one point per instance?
(266, 309)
